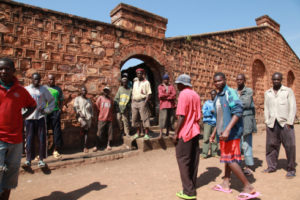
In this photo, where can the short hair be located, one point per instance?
(219, 74)
(278, 73)
(8, 61)
(37, 74)
(243, 75)
(213, 91)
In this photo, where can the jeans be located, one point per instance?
(10, 160)
(246, 148)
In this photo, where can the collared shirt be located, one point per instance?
(189, 105)
(44, 100)
(141, 89)
(105, 108)
(208, 116)
(11, 120)
(84, 106)
(280, 106)
(167, 96)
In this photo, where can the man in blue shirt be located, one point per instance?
(209, 121)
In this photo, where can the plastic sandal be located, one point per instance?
(221, 189)
(184, 196)
(41, 164)
(248, 196)
(136, 136)
(146, 137)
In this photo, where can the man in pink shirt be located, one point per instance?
(105, 117)
(186, 136)
(167, 96)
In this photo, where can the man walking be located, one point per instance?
(249, 124)
(209, 121)
(53, 118)
(35, 123)
(167, 96)
(186, 136)
(141, 94)
(13, 97)
(122, 102)
(280, 112)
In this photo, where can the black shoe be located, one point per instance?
(290, 174)
(268, 170)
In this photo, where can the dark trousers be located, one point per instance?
(276, 136)
(187, 154)
(35, 128)
(53, 122)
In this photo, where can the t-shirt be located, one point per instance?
(57, 93)
(11, 120)
(219, 117)
(122, 98)
(104, 106)
(189, 105)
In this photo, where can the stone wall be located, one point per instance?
(81, 51)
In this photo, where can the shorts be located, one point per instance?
(230, 151)
(10, 161)
(166, 117)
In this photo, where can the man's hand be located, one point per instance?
(224, 135)
(212, 139)
(174, 139)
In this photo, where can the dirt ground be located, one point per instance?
(155, 175)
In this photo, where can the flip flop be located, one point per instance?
(248, 196)
(221, 189)
(185, 196)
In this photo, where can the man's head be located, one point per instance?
(36, 79)
(240, 81)
(213, 94)
(140, 73)
(7, 70)
(276, 79)
(183, 81)
(51, 80)
(219, 81)
(106, 91)
(124, 81)
(83, 91)
(166, 79)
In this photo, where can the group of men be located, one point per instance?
(229, 118)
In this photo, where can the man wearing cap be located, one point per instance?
(141, 94)
(105, 117)
(186, 137)
(122, 102)
(167, 96)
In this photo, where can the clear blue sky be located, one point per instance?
(194, 16)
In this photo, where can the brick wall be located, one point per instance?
(80, 51)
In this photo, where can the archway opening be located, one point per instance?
(259, 84)
(290, 79)
(153, 72)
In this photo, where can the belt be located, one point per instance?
(139, 100)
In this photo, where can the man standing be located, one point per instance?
(105, 118)
(280, 112)
(13, 97)
(122, 102)
(53, 118)
(186, 137)
(249, 123)
(35, 123)
(141, 94)
(167, 96)
(209, 121)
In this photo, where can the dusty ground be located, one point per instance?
(154, 175)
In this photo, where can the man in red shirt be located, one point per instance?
(105, 107)
(167, 96)
(13, 97)
(186, 136)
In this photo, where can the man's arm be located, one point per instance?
(180, 122)
(292, 108)
(50, 100)
(29, 111)
(224, 136)
(266, 108)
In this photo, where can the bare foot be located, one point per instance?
(248, 189)
(85, 150)
(94, 149)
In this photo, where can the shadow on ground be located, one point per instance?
(208, 176)
(73, 195)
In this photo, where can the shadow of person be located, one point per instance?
(208, 176)
(73, 195)
(257, 163)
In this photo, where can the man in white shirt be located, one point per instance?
(35, 123)
(280, 111)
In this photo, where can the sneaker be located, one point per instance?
(185, 196)
(203, 156)
(56, 155)
(41, 164)
(27, 163)
(146, 137)
(290, 174)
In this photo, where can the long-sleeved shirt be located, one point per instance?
(44, 101)
(280, 106)
(122, 99)
(208, 116)
(84, 106)
(167, 96)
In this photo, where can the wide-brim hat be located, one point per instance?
(184, 79)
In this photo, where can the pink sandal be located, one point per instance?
(248, 196)
(221, 189)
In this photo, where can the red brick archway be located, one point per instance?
(259, 86)
(291, 80)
